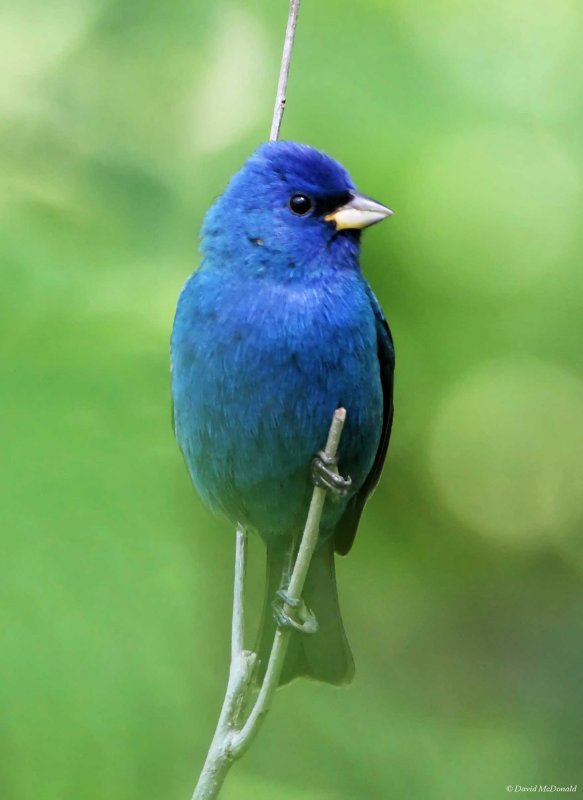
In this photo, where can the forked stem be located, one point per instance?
(232, 739)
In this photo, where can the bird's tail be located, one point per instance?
(324, 655)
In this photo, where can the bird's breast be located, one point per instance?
(258, 370)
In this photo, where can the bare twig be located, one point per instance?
(218, 762)
(238, 621)
(230, 740)
(242, 739)
(288, 44)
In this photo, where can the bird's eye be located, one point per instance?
(300, 204)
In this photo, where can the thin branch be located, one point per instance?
(238, 622)
(231, 741)
(241, 740)
(288, 44)
(218, 760)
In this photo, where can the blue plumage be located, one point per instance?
(275, 330)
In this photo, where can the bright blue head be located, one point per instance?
(291, 211)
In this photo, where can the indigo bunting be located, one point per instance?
(275, 330)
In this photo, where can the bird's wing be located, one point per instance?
(346, 528)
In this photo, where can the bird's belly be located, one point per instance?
(253, 403)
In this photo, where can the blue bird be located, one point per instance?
(275, 330)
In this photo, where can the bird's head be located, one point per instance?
(290, 211)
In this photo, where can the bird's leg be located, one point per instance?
(303, 620)
(325, 474)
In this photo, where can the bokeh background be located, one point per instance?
(119, 123)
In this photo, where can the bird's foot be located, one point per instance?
(303, 620)
(325, 474)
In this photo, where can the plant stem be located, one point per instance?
(217, 762)
(241, 740)
(231, 741)
(238, 621)
(288, 44)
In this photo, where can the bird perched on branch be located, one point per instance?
(275, 330)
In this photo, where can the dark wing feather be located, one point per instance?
(346, 528)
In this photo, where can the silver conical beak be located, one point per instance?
(359, 212)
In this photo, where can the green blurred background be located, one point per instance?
(120, 122)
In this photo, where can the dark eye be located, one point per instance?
(300, 204)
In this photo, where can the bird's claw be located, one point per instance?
(325, 474)
(305, 622)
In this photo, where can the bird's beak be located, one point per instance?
(359, 212)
